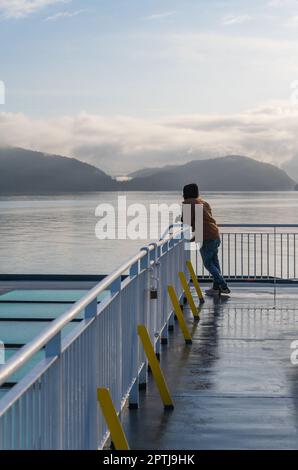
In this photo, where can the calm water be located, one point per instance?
(57, 234)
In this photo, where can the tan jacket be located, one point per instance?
(210, 229)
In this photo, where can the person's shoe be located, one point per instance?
(224, 290)
(212, 291)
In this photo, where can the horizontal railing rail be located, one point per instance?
(259, 225)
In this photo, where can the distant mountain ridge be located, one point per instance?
(26, 172)
(150, 171)
(230, 173)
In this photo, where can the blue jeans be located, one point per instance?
(209, 253)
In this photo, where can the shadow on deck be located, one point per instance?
(235, 387)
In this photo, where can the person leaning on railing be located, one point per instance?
(211, 239)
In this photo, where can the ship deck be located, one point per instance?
(235, 387)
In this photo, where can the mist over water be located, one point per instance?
(56, 235)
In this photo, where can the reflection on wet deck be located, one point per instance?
(235, 387)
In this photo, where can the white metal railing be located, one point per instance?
(255, 251)
(55, 405)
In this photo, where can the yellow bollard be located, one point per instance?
(195, 281)
(188, 295)
(179, 314)
(108, 410)
(155, 367)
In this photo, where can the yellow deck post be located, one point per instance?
(189, 296)
(195, 281)
(155, 367)
(108, 410)
(179, 314)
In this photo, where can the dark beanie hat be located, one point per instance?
(191, 191)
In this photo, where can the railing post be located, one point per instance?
(163, 298)
(116, 286)
(171, 322)
(134, 270)
(164, 288)
(145, 265)
(53, 347)
(155, 304)
(133, 401)
(275, 262)
(91, 310)
(165, 334)
(145, 303)
(55, 405)
(143, 376)
(145, 261)
(134, 392)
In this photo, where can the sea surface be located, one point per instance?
(56, 235)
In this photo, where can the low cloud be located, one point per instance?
(282, 3)
(64, 14)
(159, 16)
(235, 19)
(121, 144)
(292, 22)
(21, 8)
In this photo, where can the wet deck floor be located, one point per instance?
(235, 387)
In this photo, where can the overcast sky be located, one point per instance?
(131, 83)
